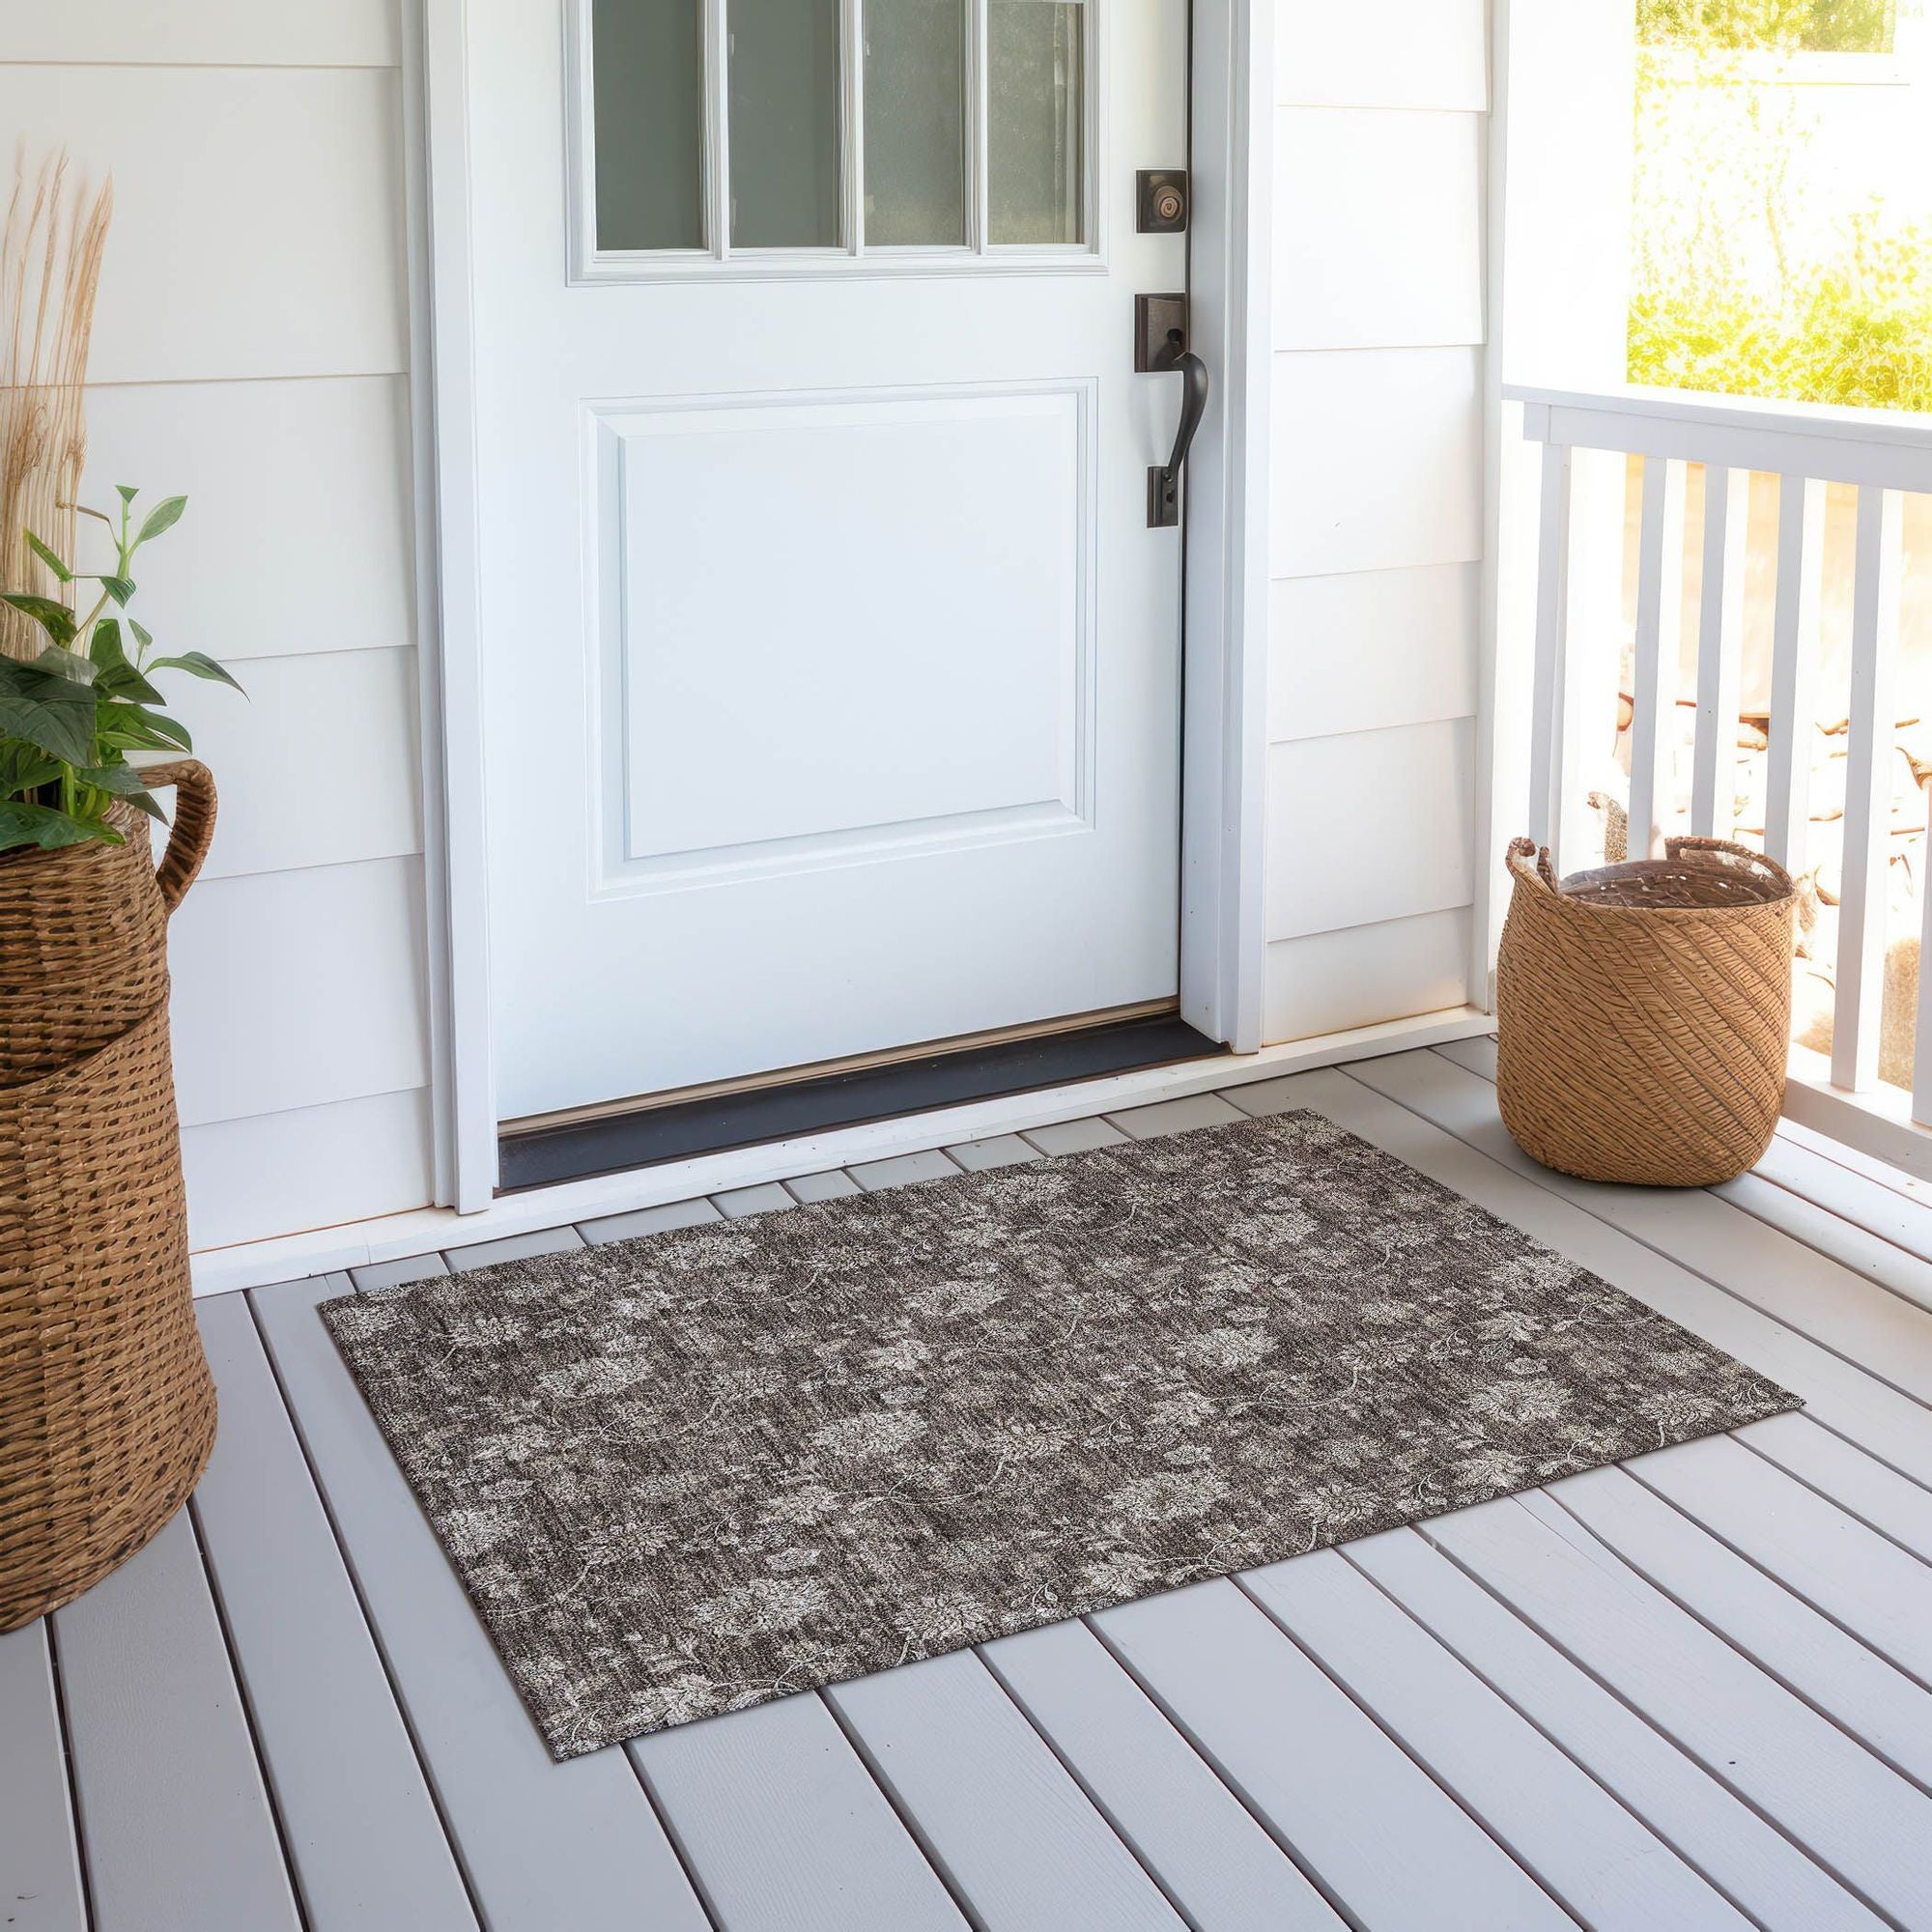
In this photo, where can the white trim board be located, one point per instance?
(1223, 950)
(428, 1230)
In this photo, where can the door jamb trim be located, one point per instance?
(1224, 731)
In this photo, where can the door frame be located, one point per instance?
(1224, 695)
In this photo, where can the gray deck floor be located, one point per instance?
(1689, 1693)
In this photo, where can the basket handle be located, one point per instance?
(193, 828)
(1542, 872)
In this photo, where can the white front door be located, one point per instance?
(832, 669)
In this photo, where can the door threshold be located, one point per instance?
(717, 1122)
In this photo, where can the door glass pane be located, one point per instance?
(648, 101)
(915, 122)
(785, 123)
(1035, 107)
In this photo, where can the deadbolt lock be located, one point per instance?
(1162, 200)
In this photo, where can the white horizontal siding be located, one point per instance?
(1370, 826)
(250, 350)
(1371, 649)
(282, 1174)
(216, 33)
(1376, 490)
(315, 766)
(1327, 981)
(1399, 53)
(1411, 275)
(258, 214)
(298, 989)
(1378, 459)
(296, 537)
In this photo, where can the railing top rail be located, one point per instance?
(1888, 448)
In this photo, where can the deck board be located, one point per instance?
(1218, 1864)
(1857, 1817)
(175, 1826)
(997, 1812)
(40, 1855)
(1311, 1763)
(1713, 1829)
(1600, 1860)
(1689, 1693)
(1831, 1671)
(787, 1828)
(545, 1844)
(315, 1684)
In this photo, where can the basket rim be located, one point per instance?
(1526, 876)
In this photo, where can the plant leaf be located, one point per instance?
(123, 782)
(164, 516)
(41, 825)
(198, 664)
(47, 556)
(53, 714)
(55, 619)
(119, 678)
(57, 661)
(120, 589)
(127, 728)
(126, 492)
(143, 635)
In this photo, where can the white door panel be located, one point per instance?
(833, 674)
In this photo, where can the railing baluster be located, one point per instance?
(1721, 626)
(1859, 1002)
(1794, 652)
(1552, 624)
(1659, 603)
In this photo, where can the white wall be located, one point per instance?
(1377, 495)
(251, 348)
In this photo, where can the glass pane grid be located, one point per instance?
(818, 130)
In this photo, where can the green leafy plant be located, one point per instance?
(71, 714)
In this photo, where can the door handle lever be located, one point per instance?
(1164, 481)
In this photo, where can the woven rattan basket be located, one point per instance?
(107, 1405)
(1644, 1012)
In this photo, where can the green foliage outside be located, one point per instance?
(1744, 283)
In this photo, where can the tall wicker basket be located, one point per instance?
(107, 1405)
(1644, 1012)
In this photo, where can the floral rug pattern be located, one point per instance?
(686, 1473)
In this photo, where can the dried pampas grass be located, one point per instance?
(50, 252)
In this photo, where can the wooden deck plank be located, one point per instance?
(1585, 1848)
(1862, 1581)
(176, 1828)
(902, 1170)
(545, 1845)
(1474, 1158)
(1883, 1334)
(1892, 1215)
(1854, 1815)
(377, 1276)
(1879, 1498)
(1002, 1151)
(649, 1221)
(512, 1249)
(1215, 1861)
(39, 1853)
(367, 1850)
(1173, 1117)
(1867, 1254)
(785, 1827)
(735, 1203)
(1073, 1136)
(832, 1185)
(1834, 1672)
(1386, 1841)
(1750, 1863)
(997, 1814)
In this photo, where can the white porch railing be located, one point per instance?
(1745, 448)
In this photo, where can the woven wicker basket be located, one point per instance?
(107, 1405)
(1644, 1012)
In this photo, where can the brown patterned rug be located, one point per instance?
(684, 1474)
